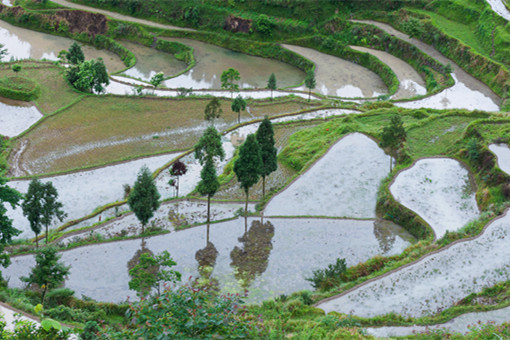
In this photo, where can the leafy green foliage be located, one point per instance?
(271, 84)
(209, 183)
(394, 135)
(473, 150)
(185, 313)
(209, 146)
(265, 138)
(310, 82)
(10, 196)
(16, 68)
(149, 273)
(249, 164)
(213, 110)
(32, 206)
(228, 79)
(264, 25)
(75, 54)
(144, 198)
(157, 79)
(177, 170)
(329, 277)
(90, 331)
(88, 76)
(48, 272)
(238, 105)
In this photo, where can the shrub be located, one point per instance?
(329, 277)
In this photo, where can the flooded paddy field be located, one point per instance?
(254, 256)
(341, 78)
(16, 116)
(22, 43)
(212, 60)
(440, 190)
(502, 152)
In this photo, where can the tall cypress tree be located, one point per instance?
(310, 82)
(248, 166)
(265, 138)
(32, 207)
(207, 149)
(271, 84)
(144, 199)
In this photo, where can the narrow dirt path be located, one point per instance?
(118, 16)
(462, 76)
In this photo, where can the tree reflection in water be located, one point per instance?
(384, 234)
(206, 259)
(251, 260)
(136, 260)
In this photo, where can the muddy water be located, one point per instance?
(338, 77)
(22, 43)
(150, 61)
(212, 60)
(437, 281)
(16, 116)
(484, 99)
(7, 3)
(269, 259)
(411, 83)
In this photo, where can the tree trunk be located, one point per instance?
(246, 205)
(263, 187)
(391, 163)
(143, 228)
(309, 94)
(239, 117)
(44, 293)
(208, 208)
(271, 94)
(177, 187)
(207, 233)
(46, 234)
(36, 241)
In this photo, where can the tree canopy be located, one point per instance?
(265, 138)
(32, 206)
(310, 82)
(88, 76)
(228, 79)
(248, 166)
(75, 54)
(144, 198)
(213, 110)
(394, 135)
(209, 146)
(238, 105)
(271, 84)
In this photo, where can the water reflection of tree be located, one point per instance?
(136, 258)
(251, 260)
(384, 235)
(206, 259)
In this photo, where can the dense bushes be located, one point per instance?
(19, 88)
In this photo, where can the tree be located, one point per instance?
(248, 166)
(271, 84)
(157, 79)
(88, 76)
(213, 110)
(177, 170)
(144, 198)
(48, 272)
(16, 68)
(265, 138)
(50, 207)
(310, 82)
(228, 78)
(7, 231)
(144, 278)
(207, 149)
(264, 25)
(393, 136)
(238, 105)
(75, 54)
(32, 207)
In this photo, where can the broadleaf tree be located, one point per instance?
(310, 82)
(228, 80)
(207, 150)
(32, 207)
(144, 278)
(7, 231)
(89, 76)
(51, 207)
(248, 165)
(177, 170)
(49, 272)
(265, 138)
(213, 110)
(271, 84)
(393, 136)
(157, 79)
(144, 197)
(238, 105)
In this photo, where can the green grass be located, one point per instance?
(55, 91)
(460, 31)
(83, 135)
